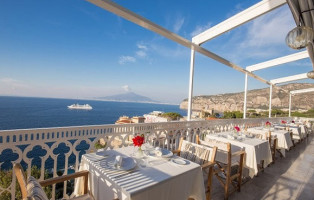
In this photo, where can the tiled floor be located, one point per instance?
(290, 178)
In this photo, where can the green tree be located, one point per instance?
(232, 114)
(6, 180)
(98, 145)
(309, 113)
(172, 115)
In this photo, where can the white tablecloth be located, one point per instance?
(303, 130)
(256, 151)
(296, 131)
(283, 137)
(160, 179)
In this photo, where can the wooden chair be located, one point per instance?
(199, 154)
(19, 172)
(272, 140)
(291, 135)
(228, 172)
(306, 130)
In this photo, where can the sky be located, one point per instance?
(74, 49)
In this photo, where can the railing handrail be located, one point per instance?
(112, 135)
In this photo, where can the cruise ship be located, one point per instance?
(80, 107)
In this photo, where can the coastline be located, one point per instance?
(94, 99)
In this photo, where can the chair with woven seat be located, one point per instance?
(229, 171)
(204, 156)
(32, 189)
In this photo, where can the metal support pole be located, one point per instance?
(270, 97)
(245, 95)
(290, 104)
(191, 85)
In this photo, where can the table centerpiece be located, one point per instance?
(138, 141)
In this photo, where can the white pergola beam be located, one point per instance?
(289, 78)
(290, 97)
(270, 98)
(302, 91)
(191, 85)
(245, 97)
(278, 61)
(141, 21)
(238, 19)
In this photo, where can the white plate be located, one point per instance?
(179, 161)
(147, 147)
(231, 137)
(103, 153)
(165, 153)
(150, 153)
(128, 163)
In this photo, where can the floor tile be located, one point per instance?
(291, 177)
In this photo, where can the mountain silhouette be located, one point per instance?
(128, 97)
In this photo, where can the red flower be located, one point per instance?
(138, 140)
(283, 122)
(237, 128)
(268, 123)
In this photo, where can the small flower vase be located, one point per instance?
(139, 152)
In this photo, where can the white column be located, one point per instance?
(290, 105)
(270, 96)
(191, 84)
(245, 95)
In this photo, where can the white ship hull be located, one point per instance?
(80, 107)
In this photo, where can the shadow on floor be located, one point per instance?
(288, 178)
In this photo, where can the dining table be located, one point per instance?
(284, 141)
(303, 128)
(256, 150)
(141, 178)
(296, 130)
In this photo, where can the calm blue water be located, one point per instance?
(27, 112)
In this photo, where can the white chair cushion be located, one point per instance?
(34, 190)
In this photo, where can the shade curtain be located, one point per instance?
(303, 14)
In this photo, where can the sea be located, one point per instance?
(31, 112)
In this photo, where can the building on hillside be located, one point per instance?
(124, 120)
(155, 116)
(128, 120)
(138, 119)
(157, 113)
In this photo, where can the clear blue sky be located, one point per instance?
(73, 49)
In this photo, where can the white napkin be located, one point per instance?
(118, 161)
(158, 152)
(231, 137)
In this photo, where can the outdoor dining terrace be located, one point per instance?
(45, 153)
(272, 162)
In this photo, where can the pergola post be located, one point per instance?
(245, 95)
(191, 84)
(290, 95)
(270, 97)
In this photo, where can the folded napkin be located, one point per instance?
(158, 152)
(118, 161)
(231, 137)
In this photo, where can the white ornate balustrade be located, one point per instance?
(55, 147)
